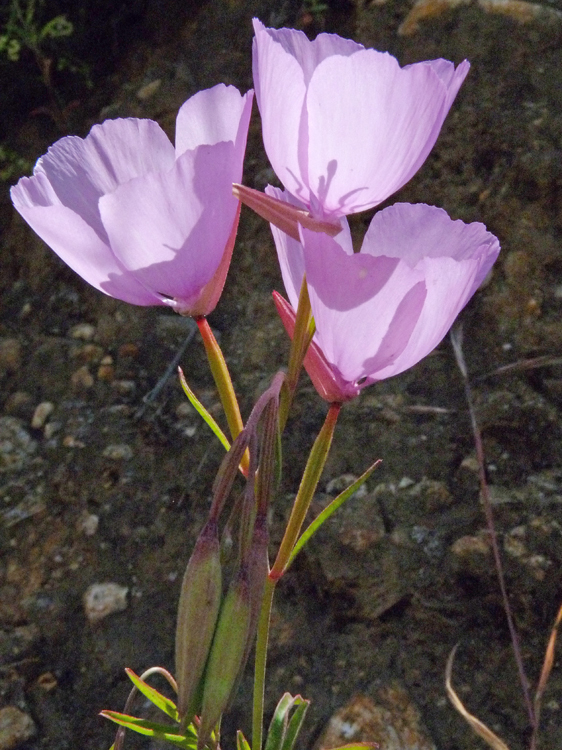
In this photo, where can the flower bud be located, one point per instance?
(227, 654)
(197, 617)
(258, 569)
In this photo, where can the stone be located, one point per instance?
(16, 444)
(16, 727)
(10, 355)
(83, 331)
(41, 414)
(393, 722)
(103, 599)
(82, 379)
(118, 452)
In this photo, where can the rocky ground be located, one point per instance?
(100, 486)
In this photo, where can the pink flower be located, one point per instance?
(344, 127)
(138, 219)
(379, 311)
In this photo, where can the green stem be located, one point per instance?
(223, 382)
(299, 345)
(260, 663)
(309, 482)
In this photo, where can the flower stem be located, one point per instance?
(223, 382)
(309, 482)
(260, 663)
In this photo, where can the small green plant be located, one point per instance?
(12, 164)
(23, 28)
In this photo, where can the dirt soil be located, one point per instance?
(104, 487)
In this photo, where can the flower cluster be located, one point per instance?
(344, 127)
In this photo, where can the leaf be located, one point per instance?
(56, 27)
(295, 725)
(200, 409)
(159, 700)
(491, 739)
(330, 510)
(241, 742)
(152, 729)
(281, 730)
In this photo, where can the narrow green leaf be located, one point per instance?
(329, 510)
(159, 700)
(152, 729)
(200, 409)
(295, 724)
(280, 721)
(241, 742)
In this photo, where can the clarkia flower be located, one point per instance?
(139, 219)
(344, 127)
(380, 311)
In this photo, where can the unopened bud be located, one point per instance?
(227, 654)
(258, 569)
(198, 611)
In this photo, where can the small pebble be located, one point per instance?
(468, 546)
(10, 355)
(69, 441)
(103, 599)
(470, 463)
(41, 414)
(51, 428)
(88, 353)
(19, 404)
(149, 89)
(16, 444)
(82, 379)
(83, 331)
(124, 387)
(47, 681)
(106, 371)
(184, 410)
(16, 727)
(88, 523)
(118, 452)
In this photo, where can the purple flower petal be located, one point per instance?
(380, 311)
(214, 115)
(170, 229)
(372, 133)
(135, 221)
(417, 232)
(280, 92)
(308, 54)
(344, 127)
(356, 300)
(290, 252)
(80, 247)
(80, 170)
